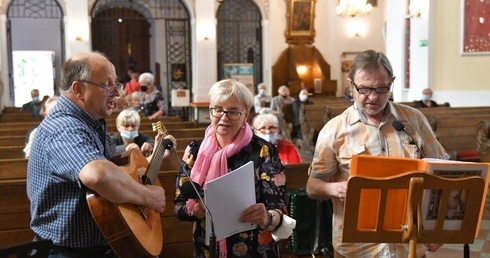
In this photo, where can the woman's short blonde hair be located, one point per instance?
(128, 116)
(224, 89)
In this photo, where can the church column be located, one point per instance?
(4, 65)
(205, 74)
(77, 28)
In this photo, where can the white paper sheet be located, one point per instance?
(227, 197)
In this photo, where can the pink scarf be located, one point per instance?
(212, 162)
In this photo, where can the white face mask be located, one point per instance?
(262, 91)
(270, 137)
(303, 98)
(129, 135)
(36, 99)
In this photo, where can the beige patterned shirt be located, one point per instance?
(349, 134)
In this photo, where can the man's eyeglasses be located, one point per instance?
(231, 114)
(109, 89)
(265, 129)
(367, 90)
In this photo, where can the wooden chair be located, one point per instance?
(39, 249)
(412, 230)
(482, 140)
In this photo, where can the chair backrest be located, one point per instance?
(38, 249)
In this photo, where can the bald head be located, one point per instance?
(81, 67)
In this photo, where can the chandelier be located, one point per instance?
(353, 8)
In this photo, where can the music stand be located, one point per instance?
(411, 231)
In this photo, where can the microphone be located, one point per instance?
(189, 187)
(399, 127)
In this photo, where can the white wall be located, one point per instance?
(459, 80)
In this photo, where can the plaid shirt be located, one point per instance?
(349, 134)
(65, 142)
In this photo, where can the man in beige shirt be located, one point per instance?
(366, 128)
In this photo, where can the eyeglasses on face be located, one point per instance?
(231, 114)
(368, 90)
(109, 89)
(264, 129)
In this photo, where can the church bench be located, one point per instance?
(22, 116)
(171, 124)
(177, 235)
(26, 116)
(16, 152)
(11, 110)
(458, 134)
(23, 128)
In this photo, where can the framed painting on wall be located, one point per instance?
(475, 27)
(301, 18)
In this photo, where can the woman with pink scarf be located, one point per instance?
(228, 144)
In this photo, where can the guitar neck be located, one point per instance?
(155, 163)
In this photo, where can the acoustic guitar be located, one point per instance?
(132, 230)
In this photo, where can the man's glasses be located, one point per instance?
(264, 129)
(367, 90)
(109, 89)
(231, 114)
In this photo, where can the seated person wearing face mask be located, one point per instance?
(265, 125)
(128, 123)
(35, 105)
(426, 100)
(262, 99)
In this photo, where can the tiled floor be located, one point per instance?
(479, 249)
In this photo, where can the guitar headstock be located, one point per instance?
(158, 126)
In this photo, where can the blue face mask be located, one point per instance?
(271, 137)
(425, 97)
(129, 135)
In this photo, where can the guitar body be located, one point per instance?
(131, 230)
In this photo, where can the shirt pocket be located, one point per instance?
(346, 154)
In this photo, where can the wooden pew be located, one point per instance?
(14, 211)
(22, 116)
(15, 129)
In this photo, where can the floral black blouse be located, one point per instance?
(270, 183)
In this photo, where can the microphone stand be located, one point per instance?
(414, 143)
(212, 238)
(399, 127)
